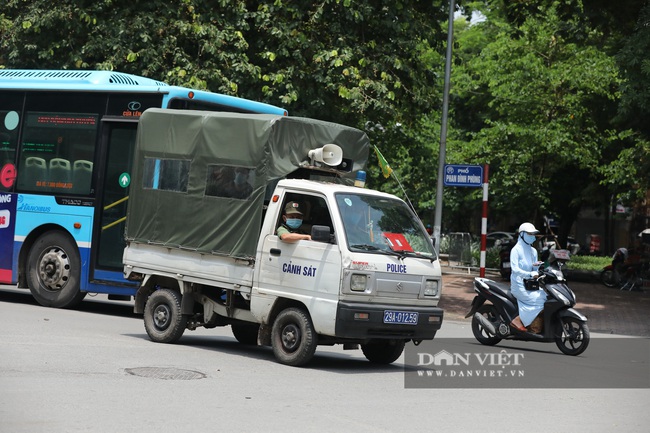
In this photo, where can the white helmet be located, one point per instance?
(528, 228)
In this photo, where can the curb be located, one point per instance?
(582, 276)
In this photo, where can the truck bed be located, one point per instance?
(189, 266)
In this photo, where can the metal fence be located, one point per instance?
(460, 248)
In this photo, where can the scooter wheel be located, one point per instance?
(610, 278)
(572, 336)
(490, 312)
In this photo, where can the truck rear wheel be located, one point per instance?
(293, 337)
(383, 351)
(245, 333)
(163, 320)
(54, 271)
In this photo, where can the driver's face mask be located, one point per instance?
(294, 223)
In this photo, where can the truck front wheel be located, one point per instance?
(383, 351)
(163, 320)
(293, 337)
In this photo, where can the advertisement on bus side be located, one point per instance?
(7, 226)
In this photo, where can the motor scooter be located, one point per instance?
(494, 307)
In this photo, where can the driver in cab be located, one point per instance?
(290, 229)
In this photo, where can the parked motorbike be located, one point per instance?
(504, 257)
(494, 307)
(610, 275)
(623, 275)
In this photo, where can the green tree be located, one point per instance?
(534, 95)
(630, 169)
(361, 63)
(180, 42)
(335, 59)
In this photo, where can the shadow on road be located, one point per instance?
(333, 362)
(89, 305)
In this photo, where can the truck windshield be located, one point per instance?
(382, 225)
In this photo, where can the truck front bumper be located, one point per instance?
(364, 320)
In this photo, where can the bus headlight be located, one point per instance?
(358, 282)
(431, 288)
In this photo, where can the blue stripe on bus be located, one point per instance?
(30, 211)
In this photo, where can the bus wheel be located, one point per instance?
(54, 270)
(163, 319)
(293, 337)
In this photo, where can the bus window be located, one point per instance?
(57, 152)
(166, 174)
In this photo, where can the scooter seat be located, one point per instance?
(500, 290)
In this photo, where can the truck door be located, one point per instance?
(304, 270)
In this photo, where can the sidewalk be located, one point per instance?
(610, 311)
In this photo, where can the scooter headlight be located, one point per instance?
(558, 274)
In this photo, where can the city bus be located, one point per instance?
(66, 150)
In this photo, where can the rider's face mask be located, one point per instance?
(528, 238)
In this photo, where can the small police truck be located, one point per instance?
(208, 193)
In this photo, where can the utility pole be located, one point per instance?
(443, 129)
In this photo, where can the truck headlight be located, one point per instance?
(358, 282)
(431, 288)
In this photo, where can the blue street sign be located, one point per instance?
(463, 175)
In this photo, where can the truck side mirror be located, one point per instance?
(320, 233)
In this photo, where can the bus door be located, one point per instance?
(118, 143)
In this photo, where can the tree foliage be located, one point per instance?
(357, 63)
(629, 171)
(334, 59)
(541, 95)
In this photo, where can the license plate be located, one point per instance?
(401, 317)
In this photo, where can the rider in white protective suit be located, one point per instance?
(524, 264)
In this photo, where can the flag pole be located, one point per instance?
(386, 168)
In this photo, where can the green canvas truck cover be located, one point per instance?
(174, 200)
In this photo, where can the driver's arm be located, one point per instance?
(293, 237)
